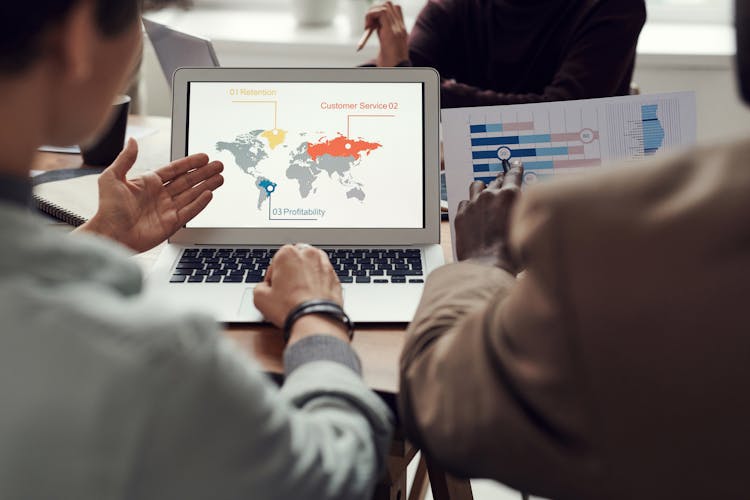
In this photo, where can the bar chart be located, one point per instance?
(547, 142)
(562, 138)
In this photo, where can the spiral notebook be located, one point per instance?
(73, 201)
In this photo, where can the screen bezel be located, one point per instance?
(430, 81)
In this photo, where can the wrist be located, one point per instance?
(317, 324)
(94, 225)
(493, 260)
(102, 226)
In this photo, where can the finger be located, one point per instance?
(263, 300)
(395, 13)
(513, 179)
(325, 262)
(497, 182)
(194, 177)
(311, 257)
(376, 8)
(332, 274)
(374, 17)
(261, 295)
(285, 253)
(331, 279)
(475, 188)
(462, 206)
(125, 160)
(393, 18)
(187, 197)
(189, 211)
(181, 166)
(269, 273)
(400, 14)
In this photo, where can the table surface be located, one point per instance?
(378, 346)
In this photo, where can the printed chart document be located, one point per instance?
(561, 138)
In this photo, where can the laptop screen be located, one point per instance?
(311, 155)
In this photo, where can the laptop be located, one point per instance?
(344, 159)
(177, 49)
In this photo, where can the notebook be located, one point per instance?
(73, 201)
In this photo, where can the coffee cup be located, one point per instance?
(103, 150)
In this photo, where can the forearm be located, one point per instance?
(342, 432)
(321, 436)
(446, 354)
(488, 385)
(451, 293)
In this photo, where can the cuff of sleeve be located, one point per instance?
(320, 348)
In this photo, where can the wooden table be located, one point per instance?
(378, 346)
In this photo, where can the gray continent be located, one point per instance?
(303, 170)
(247, 150)
(262, 193)
(356, 193)
(335, 164)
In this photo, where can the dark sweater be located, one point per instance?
(518, 51)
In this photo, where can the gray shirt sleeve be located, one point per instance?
(320, 348)
(221, 429)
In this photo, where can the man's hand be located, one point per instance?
(482, 222)
(143, 212)
(298, 274)
(394, 38)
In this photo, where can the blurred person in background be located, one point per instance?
(516, 51)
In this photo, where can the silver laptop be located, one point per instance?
(346, 159)
(177, 49)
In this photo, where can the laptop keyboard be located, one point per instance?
(243, 265)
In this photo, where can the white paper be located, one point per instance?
(561, 138)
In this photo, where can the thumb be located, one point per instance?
(261, 296)
(125, 160)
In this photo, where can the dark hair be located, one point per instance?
(22, 25)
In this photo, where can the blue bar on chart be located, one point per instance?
(528, 153)
(481, 128)
(511, 139)
(496, 168)
(653, 132)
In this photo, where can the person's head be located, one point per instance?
(75, 54)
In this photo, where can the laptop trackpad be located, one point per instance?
(247, 311)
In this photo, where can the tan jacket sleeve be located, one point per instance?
(489, 384)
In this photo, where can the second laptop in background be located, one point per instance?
(176, 49)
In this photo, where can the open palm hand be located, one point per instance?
(144, 211)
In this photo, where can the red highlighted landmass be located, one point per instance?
(341, 146)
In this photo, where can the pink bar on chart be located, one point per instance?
(572, 136)
(577, 163)
(575, 150)
(515, 127)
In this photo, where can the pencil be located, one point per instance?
(365, 36)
